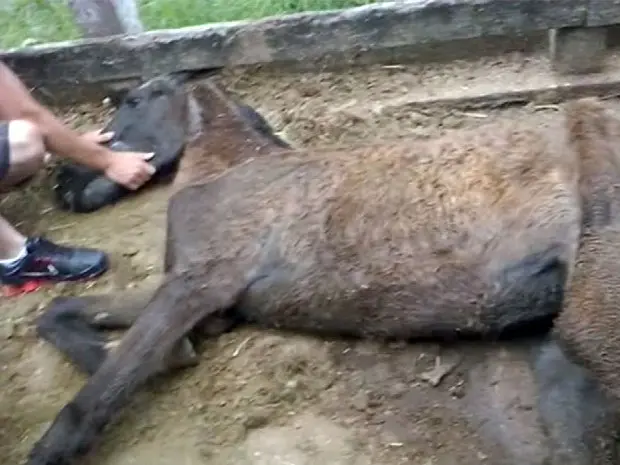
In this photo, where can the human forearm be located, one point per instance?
(17, 103)
(64, 142)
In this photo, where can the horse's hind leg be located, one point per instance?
(74, 326)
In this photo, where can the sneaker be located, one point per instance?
(46, 261)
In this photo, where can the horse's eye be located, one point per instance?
(132, 101)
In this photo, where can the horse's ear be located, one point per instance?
(183, 77)
(117, 96)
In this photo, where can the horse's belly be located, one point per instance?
(332, 305)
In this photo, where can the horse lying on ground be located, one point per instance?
(478, 234)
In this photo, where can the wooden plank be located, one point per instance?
(294, 38)
(603, 12)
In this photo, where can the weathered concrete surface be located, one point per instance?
(300, 38)
(499, 83)
(603, 12)
(578, 50)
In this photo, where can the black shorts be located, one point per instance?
(5, 151)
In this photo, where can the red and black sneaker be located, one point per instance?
(49, 262)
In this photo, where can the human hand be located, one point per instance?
(98, 137)
(130, 169)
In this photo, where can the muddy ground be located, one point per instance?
(257, 398)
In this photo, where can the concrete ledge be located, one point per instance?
(305, 37)
(578, 50)
(603, 12)
(545, 94)
(487, 83)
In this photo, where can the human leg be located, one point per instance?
(11, 241)
(22, 153)
(22, 259)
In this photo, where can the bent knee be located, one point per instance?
(26, 145)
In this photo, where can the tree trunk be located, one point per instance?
(129, 15)
(101, 18)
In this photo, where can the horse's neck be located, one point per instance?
(220, 147)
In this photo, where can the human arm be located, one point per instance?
(129, 169)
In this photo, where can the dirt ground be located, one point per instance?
(260, 398)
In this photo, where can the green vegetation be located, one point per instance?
(50, 20)
(41, 20)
